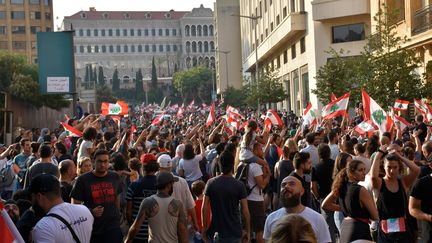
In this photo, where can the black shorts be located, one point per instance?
(257, 215)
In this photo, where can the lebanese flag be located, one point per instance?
(338, 107)
(211, 117)
(400, 122)
(364, 127)
(117, 120)
(424, 109)
(309, 115)
(333, 97)
(8, 231)
(273, 118)
(190, 106)
(233, 112)
(158, 120)
(180, 113)
(132, 132)
(232, 125)
(374, 113)
(119, 108)
(71, 131)
(400, 105)
(67, 117)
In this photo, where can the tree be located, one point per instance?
(115, 81)
(104, 94)
(385, 69)
(139, 90)
(192, 83)
(154, 78)
(268, 89)
(234, 97)
(101, 77)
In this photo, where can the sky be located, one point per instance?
(68, 7)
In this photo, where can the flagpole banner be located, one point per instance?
(309, 116)
(374, 113)
(338, 107)
(401, 105)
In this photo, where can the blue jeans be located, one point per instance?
(338, 217)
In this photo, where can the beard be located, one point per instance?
(290, 201)
(307, 170)
(38, 211)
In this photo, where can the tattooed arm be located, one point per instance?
(148, 209)
(181, 224)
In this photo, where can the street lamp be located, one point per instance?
(226, 63)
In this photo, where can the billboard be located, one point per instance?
(56, 62)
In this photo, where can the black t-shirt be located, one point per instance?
(100, 191)
(26, 223)
(66, 189)
(41, 168)
(305, 180)
(422, 135)
(421, 191)
(225, 192)
(322, 174)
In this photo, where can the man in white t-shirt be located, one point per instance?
(64, 222)
(313, 141)
(291, 192)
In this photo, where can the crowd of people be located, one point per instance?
(182, 180)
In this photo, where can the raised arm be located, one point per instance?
(376, 180)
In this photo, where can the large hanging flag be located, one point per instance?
(8, 231)
(364, 127)
(309, 116)
(400, 105)
(374, 113)
(338, 107)
(211, 117)
(119, 108)
(70, 130)
(273, 118)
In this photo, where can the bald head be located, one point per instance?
(67, 169)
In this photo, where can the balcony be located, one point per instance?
(422, 20)
(330, 9)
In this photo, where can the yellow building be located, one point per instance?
(20, 20)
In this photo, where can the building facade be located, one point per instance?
(20, 20)
(129, 40)
(293, 37)
(228, 45)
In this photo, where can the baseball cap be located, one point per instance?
(164, 178)
(146, 158)
(44, 183)
(164, 161)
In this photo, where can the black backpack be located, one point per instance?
(242, 175)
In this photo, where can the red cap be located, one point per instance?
(146, 158)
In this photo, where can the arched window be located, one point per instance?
(126, 79)
(194, 61)
(187, 30)
(193, 30)
(206, 47)
(212, 45)
(200, 61)
(188, 46)
(188, 62)
(205, 30)
(206, 61)
(199, 29)
(211, 30)
(200, 47)
(194, 47)
(212, 62)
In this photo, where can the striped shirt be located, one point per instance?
(137, 191)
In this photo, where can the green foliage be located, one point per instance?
(115, 81)
(192, 83)
(20, 79)
(139, 90)
(155, 95)
(234, 97)
(101, 77)
(104, 94)
(384, 68)
(268, 89)
(153, 74)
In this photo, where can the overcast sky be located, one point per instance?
(68, 7)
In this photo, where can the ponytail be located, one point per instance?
(340, 180)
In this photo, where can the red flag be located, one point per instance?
(180, 113)
(273, 118)
(333, 97)
(157, 120)
(71, 131)
(132, 132)
(338, 107)
(119, 108)
(8, 231)
(211, 117)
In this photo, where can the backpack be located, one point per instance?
(7, 175)
(242, 175)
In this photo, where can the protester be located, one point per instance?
(44, 165)
(67, 171)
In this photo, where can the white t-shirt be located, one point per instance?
(254, 171)
(85, 144)
(334, 148)
(313, 152)
(191, 168)
(317, 221)
(50, 229)
(182, 193)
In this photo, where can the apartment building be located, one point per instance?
(20, 20)
(293, 37)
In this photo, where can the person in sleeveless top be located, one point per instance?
(354, 201)
(166, 217)
(394, 218)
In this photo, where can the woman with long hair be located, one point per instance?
(354, 201)
(189, 165)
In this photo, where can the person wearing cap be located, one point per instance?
(167, 222)
(64, 222)
(99, 190)
(181, 189)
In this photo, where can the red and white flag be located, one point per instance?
(338, 107)
(233, 112)
(424, 109)
(117, 120)
(309, 116)
(133, 128)
(333, 97)
(273, 118)
(211, 117)
(400, 122)
(180, 113)
(71, 131)
(8, 231)
(158, 119)
(232, 125)
(67, 117)
(190, 106)
(400, 105)
(376, 114)
(119, 108)
(364, 127)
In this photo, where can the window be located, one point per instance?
(160, 48)
(398, 6)
(118, 48)
(35, 29)
(302, 45)
(271, 26)
(139, 48)
(146, 32)
(265, 6)
(132, 32)
(292, 4)
(347, 33)
(285, 56)
(96, 48)
(147, 48)
(174, 48)
(17, 15)
(18, 29)
(47, 2)
(48, 29)
(111, 49)
(174, 32)
(117, 32)
(167, 32)
(125, 48)
(271, 2)
(102, 32)
(125, 32)
(88, 49)
(284, 12)
(103, 49)
(160, 32)
(81, 49)
(153, 32)
(88, 32)
(2, 15)
(305, 81)
(81, 32)
(18, 45)
(35, 15)
(2, 30)
(293, 51)
(17, 1)
(153, 48)
(48, 16)
(278, 64)
(168, 48)
(34, 1)
(132, 48)
(95, 32)
(139, 32)
(110, 32)
(277, 20)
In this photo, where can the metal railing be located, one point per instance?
(422, 20)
